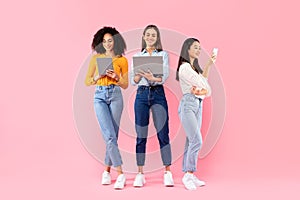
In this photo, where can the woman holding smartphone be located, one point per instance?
(151, 96)
(108, 100)
(194, 85)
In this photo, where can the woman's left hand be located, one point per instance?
(112, 74)
(197, 91)
(148, 75)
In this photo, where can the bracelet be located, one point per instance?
(94, 79)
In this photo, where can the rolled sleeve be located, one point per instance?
(165, 68)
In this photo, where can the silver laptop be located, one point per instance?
(104, 64)
(152, 63)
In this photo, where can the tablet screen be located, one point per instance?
(104, 64)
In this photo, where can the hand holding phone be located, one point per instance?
(214, 54)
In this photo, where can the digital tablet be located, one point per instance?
(104, 64)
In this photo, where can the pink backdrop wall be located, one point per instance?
(43, 44)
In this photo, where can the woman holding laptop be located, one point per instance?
(151, 96)
(191, 76)
(108, 100)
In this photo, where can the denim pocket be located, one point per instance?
(99, 91)
(190, 106)
(190, 103)
(117, 90)
(159, 91)
(140, 90)
(99, 95)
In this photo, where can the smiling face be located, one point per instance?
(108, 42)
(194, 50)
(150, 37)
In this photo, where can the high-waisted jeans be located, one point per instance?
(190, 114)
(152, 98)
(108, 105)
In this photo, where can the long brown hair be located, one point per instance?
(158, 45)
(184, 57)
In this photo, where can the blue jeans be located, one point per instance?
(190, 114)
(152, 98)
(108, 105)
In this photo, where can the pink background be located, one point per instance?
(43, 44)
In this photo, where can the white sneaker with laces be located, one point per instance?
(139, 180)
(120, 182)
(188, 181)
(106, 178)
(168, 179)
(198, 182)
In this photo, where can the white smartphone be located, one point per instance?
(215, 51)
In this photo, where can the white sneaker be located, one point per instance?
(139, 180)
(120, 182)
(188, 181)
(168, 179)
(198, 182)
(106, 179)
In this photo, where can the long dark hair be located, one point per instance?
(184, 56)
(119, 42)
(158, 45)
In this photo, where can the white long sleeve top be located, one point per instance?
(189, 78)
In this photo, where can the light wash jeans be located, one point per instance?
(108, 105)
(190, 114)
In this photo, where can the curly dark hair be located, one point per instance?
(119, 42)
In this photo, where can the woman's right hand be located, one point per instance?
(137, 77)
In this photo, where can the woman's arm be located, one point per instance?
(165, 68)
(197, 91)
(123, 80)
(194, 79)
(134, 78)
(208, 65)
(89, 79)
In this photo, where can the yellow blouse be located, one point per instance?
(120, 66)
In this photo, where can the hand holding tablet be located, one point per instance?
(111, 73)
(104, 64)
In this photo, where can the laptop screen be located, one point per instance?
(145, 63)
